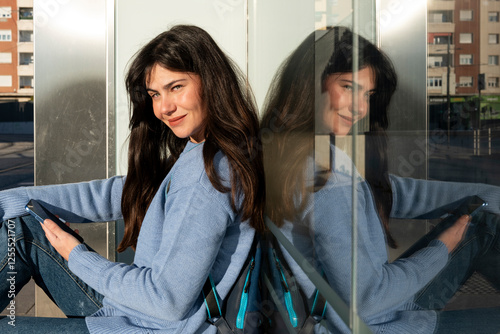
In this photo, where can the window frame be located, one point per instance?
(466, 18)
(463, 36)
(466, 84)
(493, 38)
(468, 57)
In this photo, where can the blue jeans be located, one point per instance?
(26, 253)
(479, 251)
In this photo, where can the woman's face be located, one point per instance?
(177, 102)
(342, 109)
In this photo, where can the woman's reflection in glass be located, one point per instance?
(316, 92)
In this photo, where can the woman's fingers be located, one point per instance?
(452, 236)
(62, 241)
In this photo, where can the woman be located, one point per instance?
(191, 202)
(311, 199)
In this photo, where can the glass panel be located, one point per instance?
(460, 148)
(298, 131)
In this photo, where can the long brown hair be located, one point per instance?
(231, 127)
(290, 108)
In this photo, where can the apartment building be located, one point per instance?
(490, 52)
(16, 50)
(463, 52)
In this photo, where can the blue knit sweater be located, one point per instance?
(187, 233)
(323, 234)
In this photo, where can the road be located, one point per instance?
(16, 161)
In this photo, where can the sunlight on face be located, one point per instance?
(177, 102)
(342, 109)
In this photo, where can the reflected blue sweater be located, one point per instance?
(187, 233)
(323, 234)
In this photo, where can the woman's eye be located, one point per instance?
(176, 87)
(154, 95)
(369, 94)
(348, 87)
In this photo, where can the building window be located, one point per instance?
(493, 16)
(440, 16)
(25, 82)
(25, 58)
(466, 82)
(466, 38)
(466, 15)
(492, 60)
(5, 80)
(5, 58)
(493, 82)
(25, 13)
(5, 12)
(440, 38)
(493, 38)
(25, 36)
(5, 36)
(434, 82)
(437, 60)
(465, 59)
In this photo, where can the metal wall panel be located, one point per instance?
(70, 98)
(72, 136)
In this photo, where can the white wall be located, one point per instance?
(137, 22)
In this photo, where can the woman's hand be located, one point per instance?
(452, 236)
(62, 241)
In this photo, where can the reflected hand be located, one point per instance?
(452, 236)
(62, 241)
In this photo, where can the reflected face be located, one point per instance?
(177, 102)
(342, 108)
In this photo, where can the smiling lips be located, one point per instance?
(350, 120)
(176, 120)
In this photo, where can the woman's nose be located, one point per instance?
(167, 104)
(360, 106)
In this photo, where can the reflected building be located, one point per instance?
(463, 67)
(16, 50)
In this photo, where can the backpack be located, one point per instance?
(241, 311)
(295, 315)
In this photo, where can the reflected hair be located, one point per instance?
(376, 159)
(290, 108)
(231, 126)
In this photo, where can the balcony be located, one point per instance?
(441, 4)
(26, 70)
(25, 3)
(444, 27)
(25, 25)
(440, 48)
(26, 47)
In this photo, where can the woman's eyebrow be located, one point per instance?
(166, 86)
(358, 86)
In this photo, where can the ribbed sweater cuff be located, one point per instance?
(12, 203)
(87, 265)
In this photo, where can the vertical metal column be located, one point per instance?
(403, 36)
(74, 100)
